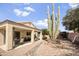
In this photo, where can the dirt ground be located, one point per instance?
(46, 48)
(64, 48)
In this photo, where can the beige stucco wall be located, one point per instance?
(32, 36)
(22, 34)
(1, 37)
(9, 36)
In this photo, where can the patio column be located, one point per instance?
(36, 34)
(22, 35)
(32, 36)
(41, 35)
(1, 37)
(9, 37)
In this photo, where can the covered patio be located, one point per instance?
(13, 34)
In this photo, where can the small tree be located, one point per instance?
(71, 20)
(45, 32)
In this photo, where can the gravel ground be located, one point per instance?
(64, 48)
(45, 48)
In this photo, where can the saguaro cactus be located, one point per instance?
(53, 23)
(52, 26)
(57, 23)
(49, 23)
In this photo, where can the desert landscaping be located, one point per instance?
(45, 48)
(56, 35)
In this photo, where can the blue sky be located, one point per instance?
(34, 12)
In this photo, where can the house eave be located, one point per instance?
(12, 22)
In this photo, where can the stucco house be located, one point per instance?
(13, 34)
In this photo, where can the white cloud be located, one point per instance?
(41, 23)
(73, 5)
(29, 9)
(24, 13)
(18, 12)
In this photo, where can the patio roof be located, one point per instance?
(16, 23)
